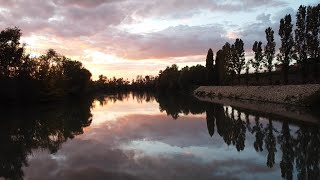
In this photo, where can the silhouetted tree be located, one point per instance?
(269, 52)
(301, 41)
(287, 43)
(238, 57)
(44, 78)
(258, 57)
(219, 68)
(313, 37)
(209, 67)
(11, 51)
(227, 55)
(168, 79)
(225, 67)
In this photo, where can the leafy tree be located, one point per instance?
(209, 60)
(209, 66)
(286, 49)
(238, 57)
(43, 78)
(227, 54)
(301, 40)
(269, 52)
(11, 51)
(312, 27)
(313, 37)
(258, 57)
(219, 68)
(168, 79)
(76, 77)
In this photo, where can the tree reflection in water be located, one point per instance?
(26, 128)
(300, 145)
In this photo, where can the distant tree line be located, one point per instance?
(169, 80)
(110, 85)
(47, 77)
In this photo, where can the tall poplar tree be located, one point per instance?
(209, 67)
(258, 57)
(218, 68)
(227, 53)
(238, 57)
(301, 40)
(287, 43)
(313, 35)
(269, 51)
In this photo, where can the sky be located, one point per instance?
(126, 38)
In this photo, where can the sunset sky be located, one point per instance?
(125, 38)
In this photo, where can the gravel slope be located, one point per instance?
(301, 95)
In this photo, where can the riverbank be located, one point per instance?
(298, 95)
(289, 101)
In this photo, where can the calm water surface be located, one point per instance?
(140, 136)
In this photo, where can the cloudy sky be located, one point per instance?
(125, 38)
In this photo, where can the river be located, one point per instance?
(146, 136)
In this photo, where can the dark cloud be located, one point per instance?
(82, 17)
(172, 42)
(94, 24)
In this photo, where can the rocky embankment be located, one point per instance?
(289, 101)
(299, 95)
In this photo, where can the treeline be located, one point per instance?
(170, 80)
(300, 45)
(44, 78)
(110, 85)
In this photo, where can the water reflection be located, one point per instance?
(126, 137)
(300, 145)
(26, 128)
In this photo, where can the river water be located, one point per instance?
(143, 136)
